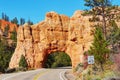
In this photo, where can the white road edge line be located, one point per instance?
(62, 77)
(16, 75)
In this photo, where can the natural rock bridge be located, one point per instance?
(56, 33)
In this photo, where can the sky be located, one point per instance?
(35, 10)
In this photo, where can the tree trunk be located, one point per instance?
(104, 22)
(104, 27)
(101, 65)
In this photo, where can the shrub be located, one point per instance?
(117, 61)
(23, 62)
(10, 70)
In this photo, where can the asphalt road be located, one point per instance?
(40, 74)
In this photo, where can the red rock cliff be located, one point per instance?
(4, 23)
(56, 33)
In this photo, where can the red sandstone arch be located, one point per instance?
(55, 33)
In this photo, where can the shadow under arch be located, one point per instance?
(57, 59)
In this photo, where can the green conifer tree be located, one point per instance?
(30, 22)
(23, 62)
(15, 21)
(22, 21)
(103, 9)
(99, 48)
(6, 52)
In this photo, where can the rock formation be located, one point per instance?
(4, 24)
(56, 33)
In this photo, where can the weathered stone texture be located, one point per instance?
(56, 33)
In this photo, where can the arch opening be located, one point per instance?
(57, 59)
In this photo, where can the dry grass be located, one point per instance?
(95, 73)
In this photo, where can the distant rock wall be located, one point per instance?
(4, 24)
(56, 33)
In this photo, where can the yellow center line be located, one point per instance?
(36, 77)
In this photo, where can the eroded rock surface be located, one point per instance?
(4, 24)
(56, 33)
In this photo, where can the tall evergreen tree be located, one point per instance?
(99, 48)
(30, 22)
(5, 17)
(14, 20)
(6, 52)
(22, 21)
(101, 8)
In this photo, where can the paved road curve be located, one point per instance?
(40, 74)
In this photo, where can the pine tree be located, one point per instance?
(6, 52)
(103, 9)
(6, 18)
(15, 21)
(30, 22)
(99, 48)
(3, 17)
(23, 62)
(22, 21)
